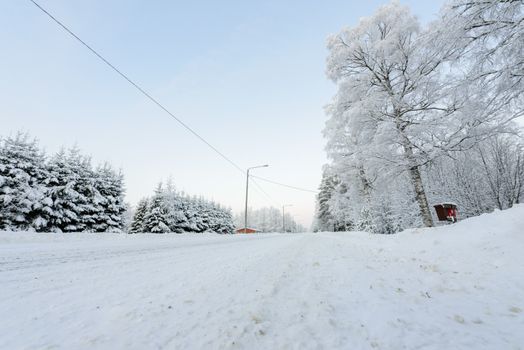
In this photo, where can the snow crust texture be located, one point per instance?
(455, 287)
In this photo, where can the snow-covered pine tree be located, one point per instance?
(155, 220)
(172, 211)
(61, 194)
(223, 221)
(68, 185)
(59, 188)
(200, 214)
(324, 215)
(220, 219)
(24, 204)
(141, 212)
(175, 206)
(89, 199)
(109, 202)
(208, 217)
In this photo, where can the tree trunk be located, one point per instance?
(420, 195)
(416, 178)
(366, 186)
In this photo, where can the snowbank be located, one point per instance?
(458, 286)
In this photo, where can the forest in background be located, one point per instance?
(269, 219)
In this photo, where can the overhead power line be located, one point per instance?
(156, 102)
(138, 87)
(260, 189)
(284, 185)
(146, 94)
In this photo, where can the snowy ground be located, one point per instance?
(455, 287)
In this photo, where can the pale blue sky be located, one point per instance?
(248, 76)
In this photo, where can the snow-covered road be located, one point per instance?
(455, 287)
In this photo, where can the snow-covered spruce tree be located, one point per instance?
(176, 210)
(108, 199)
(212, 217)
(208, 216)
(64, 210)
(192, 211)
(324, 216)
(223, 221)
(70, 186)
(90, 199)
(84, 199)
(61, 194)
(172, 211)
(203, 213)
(220, 220)
(155, 220)
(138, 222)
(24, 204)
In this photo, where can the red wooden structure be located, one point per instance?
(446, 212)
(246, 230)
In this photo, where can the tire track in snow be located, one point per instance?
(49, 258)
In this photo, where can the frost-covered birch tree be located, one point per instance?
(491, 33)
(421, 112)
(395, 105)
(488, 67)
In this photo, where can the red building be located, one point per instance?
(246, 230)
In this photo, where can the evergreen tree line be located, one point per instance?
(171, 211)
(424, 114)
(269, 219)
(60, 193)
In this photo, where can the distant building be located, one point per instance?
(246, 230)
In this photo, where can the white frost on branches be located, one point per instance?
(410, 99)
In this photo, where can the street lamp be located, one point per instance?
(284, 218)
(247, 191)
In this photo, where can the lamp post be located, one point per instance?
(284, 218)
(247, 191)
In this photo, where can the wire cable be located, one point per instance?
(161, 106)
(140, 89)
(284, 185)
(260, 189)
